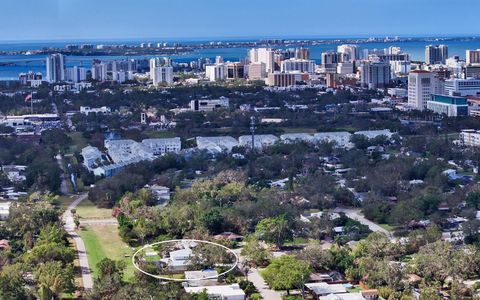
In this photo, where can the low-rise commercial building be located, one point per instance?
(207, 105)
(462, 87)
(216, 143)
(86, 110)
(448, 105)
(162, 146)
(470, 137)
(297, 137)
(261, 140)
(371, 134)
(341, 138)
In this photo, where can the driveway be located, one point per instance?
(257, 280)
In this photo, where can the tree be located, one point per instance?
(213, 220)
(318, 258)
(286, 273)
(12, 284)
(274, 230)
(110, 279)
(53, 278)
(439, 260)
(254, 252)
(473, 200)
(378, 245)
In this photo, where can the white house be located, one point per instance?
(198, 278)
(4, 210)
(222, 292)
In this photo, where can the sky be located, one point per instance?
(197, 19)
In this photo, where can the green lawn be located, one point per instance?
(87, 210)
(103, 241)
(355, 289)
(298, 130)
(387, 227)
(160, 134)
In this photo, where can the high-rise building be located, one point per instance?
(76, 74)
(300, 65)
(30, 76)
(99, 71)
(218, 59)
(55, 67)
(393, 50)
(163, 75)
(159, 62)
(263, 55)
(332, 57)
(235, 70)
(216, 72)
(256, 71)
(421, 86)
(374, 74)
(350, 50)
(473, 57)
(472, 71)
(436, 54)
(302, 53)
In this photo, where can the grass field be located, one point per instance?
(160, 134)
(103, 241)
(87, 210)
(298, 130)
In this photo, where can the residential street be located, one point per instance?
(69, 226)
(355, 214)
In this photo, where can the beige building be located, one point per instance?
(473, 56)
(281, 79)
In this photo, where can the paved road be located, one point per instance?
(82, 252)
(355, 214)
(257, 280)
(109, 221)
(64, 185)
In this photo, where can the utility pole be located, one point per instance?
(252, 130)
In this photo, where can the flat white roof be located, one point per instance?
(224, 290)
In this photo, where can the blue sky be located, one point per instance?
(138, 19)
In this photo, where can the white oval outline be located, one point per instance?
(237, 260)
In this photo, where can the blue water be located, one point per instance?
(36, 63)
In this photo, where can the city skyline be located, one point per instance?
(188, 19)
